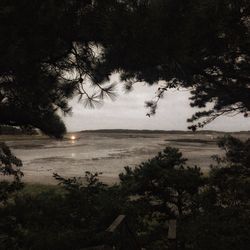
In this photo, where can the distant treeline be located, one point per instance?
(12, 130)
(146, 131)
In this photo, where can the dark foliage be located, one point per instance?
(9, 166)
(202, 45)
(212, 212)
(72, 217)
(51, 49)
(168, 189)
(47, 55)
(224, 220)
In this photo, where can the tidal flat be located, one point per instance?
(108, 152)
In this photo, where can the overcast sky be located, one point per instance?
(128, 112)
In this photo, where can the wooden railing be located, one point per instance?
(122, 235)
(119, 237)
(172, 235)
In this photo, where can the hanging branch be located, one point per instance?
(213, 114)
(153, 104)
(83, 62)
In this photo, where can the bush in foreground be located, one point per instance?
(212, 211)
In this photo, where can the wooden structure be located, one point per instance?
(119, 237)
(172, 235)
(121, 234)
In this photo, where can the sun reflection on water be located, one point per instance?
(72, 137)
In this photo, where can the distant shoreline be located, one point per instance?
(7, 137)
(148, 131)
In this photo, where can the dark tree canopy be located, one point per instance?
(212, 210)
(50, 49)
(37, 46)
(30, 92)
(200, 45)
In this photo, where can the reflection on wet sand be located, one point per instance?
(107, 153)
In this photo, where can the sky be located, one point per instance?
(128, 111)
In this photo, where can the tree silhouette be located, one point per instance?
(51, 50)
(199, 45)
(9, 166)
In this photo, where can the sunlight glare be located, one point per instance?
(72, 137)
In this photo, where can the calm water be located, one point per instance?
(106, 153)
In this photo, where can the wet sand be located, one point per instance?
(107, 153)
